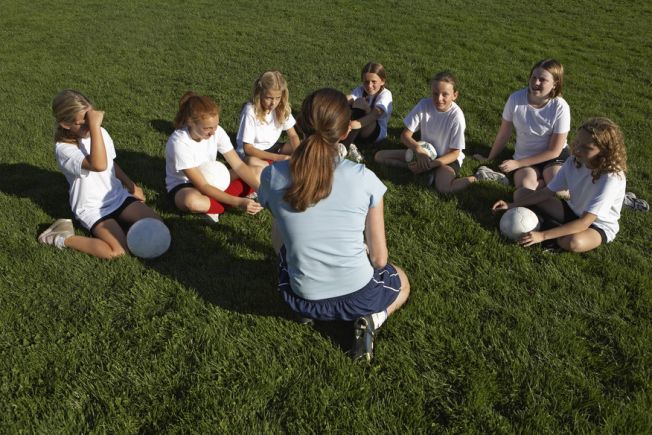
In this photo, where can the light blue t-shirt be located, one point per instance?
(324, 245)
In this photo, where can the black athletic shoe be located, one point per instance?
(363, 345)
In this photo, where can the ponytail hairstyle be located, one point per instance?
(194, 107)
(324, 119)
(65, 107)
(271, 81)
(607, 136)
(556, 69)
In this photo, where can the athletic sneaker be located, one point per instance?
(213, 217)
(637, 204)
(363, 346)
(354, 154)
(341, 150)
(485, 174)
(60, 227)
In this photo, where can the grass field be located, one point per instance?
(495, 338)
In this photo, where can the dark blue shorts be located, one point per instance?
(116, 213)
(552, 162)
(379, 293)
(569, 215)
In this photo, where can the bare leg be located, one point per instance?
(403, 293)
(526, 177)
(580, 242)
(109, 242)
(395, 158)
(191, 200)
(447, 182)
(549, 173)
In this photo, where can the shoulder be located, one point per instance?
(277, 175)
(178, 137)
(385, 95)
(560, 104)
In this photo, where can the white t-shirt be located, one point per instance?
(604, 198)
(443, 130)
(261, 134)
(534, 127)
(183, 152)
(383, 101)
(93, 195)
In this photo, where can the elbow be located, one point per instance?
(99, 167)
(378, 259)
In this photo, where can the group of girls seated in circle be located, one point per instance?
(306, 182)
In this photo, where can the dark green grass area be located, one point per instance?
(495, 338)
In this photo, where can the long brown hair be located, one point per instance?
(607, 136)
(324, 119)
(194, 107)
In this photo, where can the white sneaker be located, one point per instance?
(354, 154)
(60, 228)
(341, 150)
(485, 174)
(213, 217)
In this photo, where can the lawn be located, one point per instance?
(495, 338)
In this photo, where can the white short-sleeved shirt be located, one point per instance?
(534, 127)
(261, 134)
(93, 195)
(443, 130)
(325, 248)
(604, 198)
(383, 101)
(183, 152)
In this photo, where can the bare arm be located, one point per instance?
(293, 138)
(375, 236)
(370, 117)
(555, 146)
(503, 135)
(243, 171)
(446, 159)
(132, 187)
(97, 160)
(531, 198)
(199, 182)
(252, 151)
(573, 227)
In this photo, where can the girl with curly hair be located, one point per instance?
(595, 179)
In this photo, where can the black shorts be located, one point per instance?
(116, 213)
(173, 192)
(569, 215)
(552, 162)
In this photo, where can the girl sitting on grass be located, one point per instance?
(262, 121)
(595, 179)
(541, 118)
(321, 276)
(102, 196)
(441, 123)
(371, 104)
(196, 140)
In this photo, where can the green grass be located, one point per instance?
(495, 338)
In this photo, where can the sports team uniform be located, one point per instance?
(382, 100)
(443, 130)
(183, 152)
(603, 198)
(93, 195)
(324, 271)
(263, 135)
(534, 127)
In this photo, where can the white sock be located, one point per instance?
(59, 241)
(379, 318)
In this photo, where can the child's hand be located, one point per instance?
(137, 192)
(509, 165)
(420, 164)
(94, 117)
(355, 125)
(250, 206)
(531, 238)
(500, 205)
(480, 157)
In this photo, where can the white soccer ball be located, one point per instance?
(148, 238)
(518, 221)
(216, 174)
(411, 156)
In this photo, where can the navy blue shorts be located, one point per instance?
(379, 293)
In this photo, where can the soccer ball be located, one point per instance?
(148, 238)
(215, 174)
(411, 156)
(518, 221)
